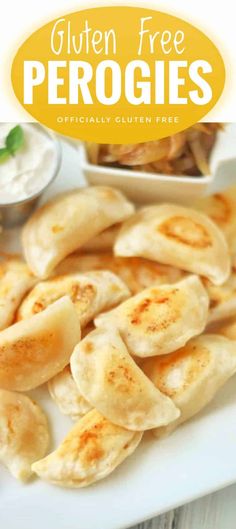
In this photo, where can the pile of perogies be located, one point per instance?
(119, 336)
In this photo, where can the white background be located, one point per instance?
(19, 18)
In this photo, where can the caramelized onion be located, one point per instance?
(184, 153)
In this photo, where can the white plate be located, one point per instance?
(197, 459)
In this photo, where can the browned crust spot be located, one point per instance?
(57, 228)
(87, 446)
(120, 371)
(83, 295)
(224, 211)
(198, 360)
(88, 347)
(24, 352)
(158, 298)
(38, 306)
(108, 194)
(186, 231)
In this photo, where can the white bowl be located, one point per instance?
(147, 187)
(15, 213)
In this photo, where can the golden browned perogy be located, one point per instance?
(192, 375)
(221, 208)
(16, 280)
(109, 380)
(178, 236)
(91, 293)
(34, 350)
(65, 393)
(69, 221)
(139, 273)
(162, 318)
(103, 242)
(222, 298)
(24, 435)
(90, 452)
(136, 272)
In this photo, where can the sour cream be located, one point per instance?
(32, 167)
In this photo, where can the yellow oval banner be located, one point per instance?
(118, 74)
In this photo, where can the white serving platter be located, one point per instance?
(197, 459)
(145, 187)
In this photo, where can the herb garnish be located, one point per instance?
(13, 142)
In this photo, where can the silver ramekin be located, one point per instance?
(16, 213)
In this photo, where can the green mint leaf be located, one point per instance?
(15, 139)
(4, 153)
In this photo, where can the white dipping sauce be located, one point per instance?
(31, 168)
